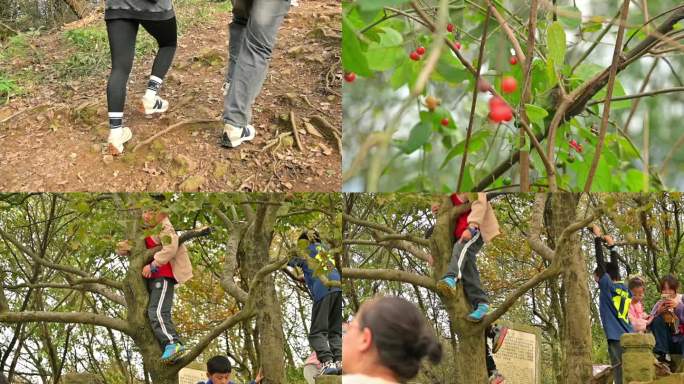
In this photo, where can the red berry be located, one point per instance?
(414, 56)
(420, 50)
(457, 45)
(509, 84)
(500, 113)
(445, 122)
(483, 85)
(576, 146)
(450, 27)
(513, 60)
(350, 77)
(496, 101)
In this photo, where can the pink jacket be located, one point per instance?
(638, 317)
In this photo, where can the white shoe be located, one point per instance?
(116, 140)
(154, 105)
(233, 136)
(225, 87)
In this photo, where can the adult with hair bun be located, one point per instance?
(386, 343)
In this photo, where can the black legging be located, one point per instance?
(122, 34)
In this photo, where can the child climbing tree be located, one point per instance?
(68, 242)
(423, 262)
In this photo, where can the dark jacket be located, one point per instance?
(139, 9)
(316, 287)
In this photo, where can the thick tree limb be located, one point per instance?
(67, 318)
(390, 275)
(247, 312)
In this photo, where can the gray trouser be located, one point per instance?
(464, 268)
(615, 352)
(253, 34)
(325, 335)
(159, 310)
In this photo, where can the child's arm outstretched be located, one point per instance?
(598, 251)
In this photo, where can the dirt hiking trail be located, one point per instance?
(52, 135)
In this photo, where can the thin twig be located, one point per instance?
(526, 95)
(511, 35)
(609, 95)
(638, 95)
(170, 128)
(294, 131)
(642, 89)
(472, 108)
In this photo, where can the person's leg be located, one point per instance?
(471, 276)
(250, 69)
(236, 29)
(121, 34)
(663, 337)
(157, 310)
(491, 365)
(318, 332)
(615, 352)
(335, 325)
(165, 32)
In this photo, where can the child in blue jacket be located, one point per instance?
(325, 334)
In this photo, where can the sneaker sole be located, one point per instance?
(502, 336)
(237, 144)
(472, 320)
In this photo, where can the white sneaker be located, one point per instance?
(233, 136)
(225, 87)
(154, 105)
(116, 140)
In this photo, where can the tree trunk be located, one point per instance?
(253, 254)
(79, 7)
(469, 357)
(576, 329)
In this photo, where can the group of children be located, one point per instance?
(621, 308)
(170, 265)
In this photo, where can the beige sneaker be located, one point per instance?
(116, 140)
(154, 105)
(233, 136)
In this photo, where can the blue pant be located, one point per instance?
(252, 39)
(664, 339)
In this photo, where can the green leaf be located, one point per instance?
(556, 44)
(536, 114)
(384, 54)
(477, 140)
(353, 59)
(634, 180)
(420, 134)
(570, 16)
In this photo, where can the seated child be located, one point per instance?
(637, 316)
(668, 314)
(219, 370)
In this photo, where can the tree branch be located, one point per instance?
(390, 275)
(65, 317)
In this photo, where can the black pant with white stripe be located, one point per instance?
(463, 267)
(159, 310)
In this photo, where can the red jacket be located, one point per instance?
(462, 219)
(162, 270)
